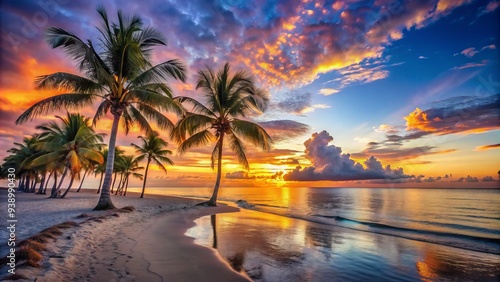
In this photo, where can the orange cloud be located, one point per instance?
(480, 115)
(446, 5)
(488, 147)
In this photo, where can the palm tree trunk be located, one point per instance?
(213, 200)
(119, 184)
(126, 186)
(105, 202)
(42, 182)
(81, 182)
(26, 187)
(47, 183)
(65, 172)
(54, 193)
(114, 180)
(33, 185)
(21, 179)
(54, 189)
(145, 177)
(21, 183)
(100, 183)
(69, 187)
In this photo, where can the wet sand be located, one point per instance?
(146, 245)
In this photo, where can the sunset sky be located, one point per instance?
(363, 93)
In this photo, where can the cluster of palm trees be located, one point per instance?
(120, 75)
(66, 148)
(62, 149)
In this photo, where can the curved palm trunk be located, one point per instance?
(126, 186)
(26, 187)
(54, 192)
(213, 200)
(81, 182)
(65, 172)
(145, 177)
(42, 182)
(54, 186)
(119, 188)
(20, 187)
(114, 180)
(33, 185)
(69, 187)
(105, 202)
(100, 183)
(47, 183)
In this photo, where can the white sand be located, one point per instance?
(124, 248)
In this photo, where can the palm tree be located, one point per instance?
(73, 143)
(153, 148)
(129, 165)
(228, 98)
(20, 159)
(91, 166)
(120, 76)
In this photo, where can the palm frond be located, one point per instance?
(197, 106)
(201, 138)
(151, 113)
(154, 99)
(101, 111)
(190, 124)
(252, 132)
(161, 72)
(138, 148)
(87, 59)
(56, 103)
(45, 159)
(134, 116)
(160, 165)
(159, 158)
(90, 155)
(236, 145)
(67, 81)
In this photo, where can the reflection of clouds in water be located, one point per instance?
(268, 247)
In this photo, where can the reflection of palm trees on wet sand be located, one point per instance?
(241, 255)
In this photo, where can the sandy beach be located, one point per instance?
(145, 245)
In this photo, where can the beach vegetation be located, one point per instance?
(119, 74)
(153, 148)
(228, 98)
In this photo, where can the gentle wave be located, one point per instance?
(463, 241)
(462, 227)
(483, 217)
(419, 231)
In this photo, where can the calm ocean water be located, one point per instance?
(356, 233)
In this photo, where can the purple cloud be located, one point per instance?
(329, 163)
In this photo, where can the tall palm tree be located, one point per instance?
(152, 149)
(72, 142)
(121, 76)
(228, 99)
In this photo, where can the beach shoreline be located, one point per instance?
(113, 248)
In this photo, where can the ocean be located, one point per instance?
(355, 234)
